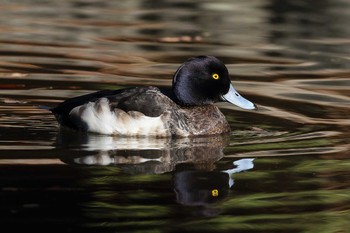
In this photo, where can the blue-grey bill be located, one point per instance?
(235, 98)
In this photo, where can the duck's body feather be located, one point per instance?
(140, 111)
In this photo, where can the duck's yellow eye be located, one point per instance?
(215, 76)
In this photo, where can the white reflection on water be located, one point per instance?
(166, 153)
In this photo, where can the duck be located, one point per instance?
(187, 109)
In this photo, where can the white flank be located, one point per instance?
(100, 119)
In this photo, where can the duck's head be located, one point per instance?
(205, 80)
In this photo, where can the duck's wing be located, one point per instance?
(69, 104)
(150, 101)
(79, 112)
(62, 110)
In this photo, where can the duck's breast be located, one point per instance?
(206, 120)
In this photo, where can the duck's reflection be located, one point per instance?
(192, 161)
(197, 188)
(143, 155)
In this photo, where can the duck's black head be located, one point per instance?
(204, 80)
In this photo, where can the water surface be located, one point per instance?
(284, 168)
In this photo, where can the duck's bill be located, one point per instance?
(235, 98)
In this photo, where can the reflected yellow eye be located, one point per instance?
(215, 76)
(215, 192)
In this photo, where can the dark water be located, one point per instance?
(284, 168)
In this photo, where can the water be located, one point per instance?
(284, 168)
